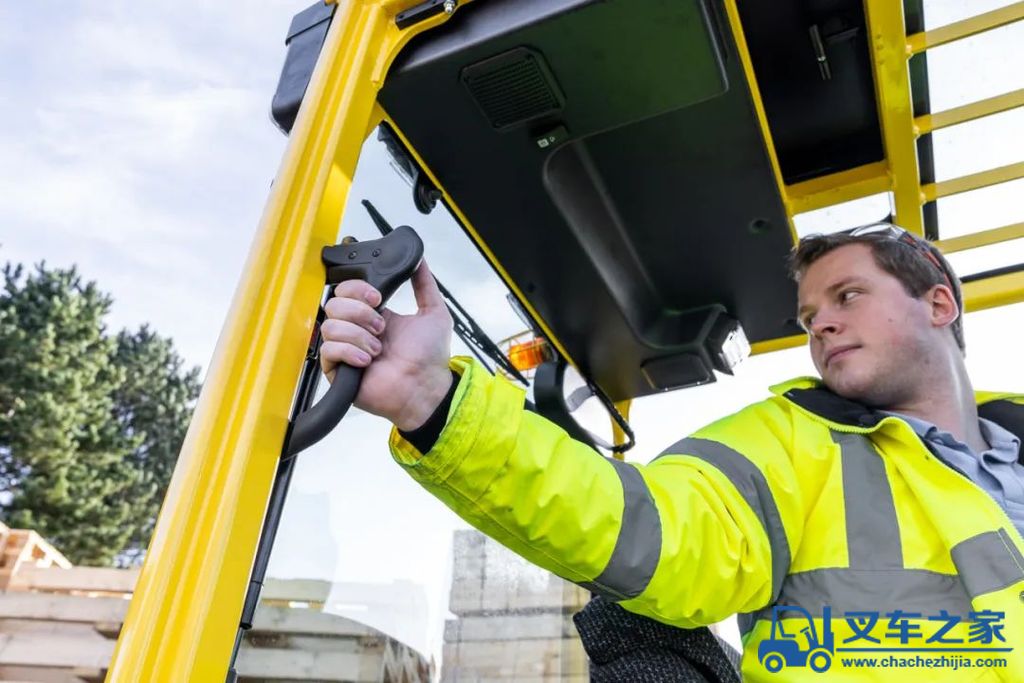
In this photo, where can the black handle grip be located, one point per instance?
(385, 264)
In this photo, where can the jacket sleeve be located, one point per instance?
(705, 530)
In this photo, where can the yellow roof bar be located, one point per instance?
(928, 123)
(887, 28)
(919, 42)
(837, 188)
(1000, 290)
(981, 239)
(974, 181)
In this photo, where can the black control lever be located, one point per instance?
(385, 264)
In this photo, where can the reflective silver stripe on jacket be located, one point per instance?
(875, 579)
(988, 562)
(872, 590)
(872, 530)
(752, 485)
(638, 546)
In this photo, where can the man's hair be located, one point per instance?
(901, 260)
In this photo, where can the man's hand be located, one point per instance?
(405, 356)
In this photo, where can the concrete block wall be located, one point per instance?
(513, 620)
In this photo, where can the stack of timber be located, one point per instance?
(59, 624)
(514, 619)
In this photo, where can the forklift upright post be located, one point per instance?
(184, 615)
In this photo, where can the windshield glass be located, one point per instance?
(369, 573)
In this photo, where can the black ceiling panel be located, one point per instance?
(814, 72)
(626, 190)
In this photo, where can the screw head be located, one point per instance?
(352, 254)
(376, 252)
(449, 6)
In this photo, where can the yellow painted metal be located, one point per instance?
(183, 619)
(895, 108)
(1001, 290)
(969, 112)
(982, 238)
(967, 27)
(770, 345)
(975, 181)
(762, 119)
(619, 436)
(837, 188)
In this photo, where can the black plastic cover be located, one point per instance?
(305, 38)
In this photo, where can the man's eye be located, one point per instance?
(848, 294)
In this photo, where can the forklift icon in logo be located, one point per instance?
(784, 649)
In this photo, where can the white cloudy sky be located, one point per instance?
(137, 145)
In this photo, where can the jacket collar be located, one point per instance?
(1006, 410)
(810, 394)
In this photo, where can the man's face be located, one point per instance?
(870, 340)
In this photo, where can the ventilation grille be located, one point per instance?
(513, 88)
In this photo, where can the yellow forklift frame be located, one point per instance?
(184, 616)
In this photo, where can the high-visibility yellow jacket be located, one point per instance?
(805, 500)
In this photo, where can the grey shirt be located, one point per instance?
(996, 470)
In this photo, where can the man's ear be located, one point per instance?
(944, 310)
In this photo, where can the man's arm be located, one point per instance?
(704, 531)
(689, 539)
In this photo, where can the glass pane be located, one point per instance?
(373, 579)
(987, 258)
(942, 12)
(846, 215)
(974, 68)
(992, 364)
(512, 620)
(989, 207)
(979, 145)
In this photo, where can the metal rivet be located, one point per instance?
(376, 252)
(449, 6)
(352, 254)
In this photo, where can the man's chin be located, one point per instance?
(850, 388)
(870, 392)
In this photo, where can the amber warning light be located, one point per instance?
(529, 354)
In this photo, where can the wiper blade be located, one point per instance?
(465, 327)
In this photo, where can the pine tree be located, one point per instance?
(153, 404)
(90, 423)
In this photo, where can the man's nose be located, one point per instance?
(825, 324)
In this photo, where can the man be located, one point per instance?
(882, 505)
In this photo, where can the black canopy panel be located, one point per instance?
(813, 70)
(609, 155)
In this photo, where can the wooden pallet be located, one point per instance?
(59, 624)
(20, 548)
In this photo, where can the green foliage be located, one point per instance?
(153, 405)
(90, 424)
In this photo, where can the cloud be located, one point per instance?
(141, 151)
